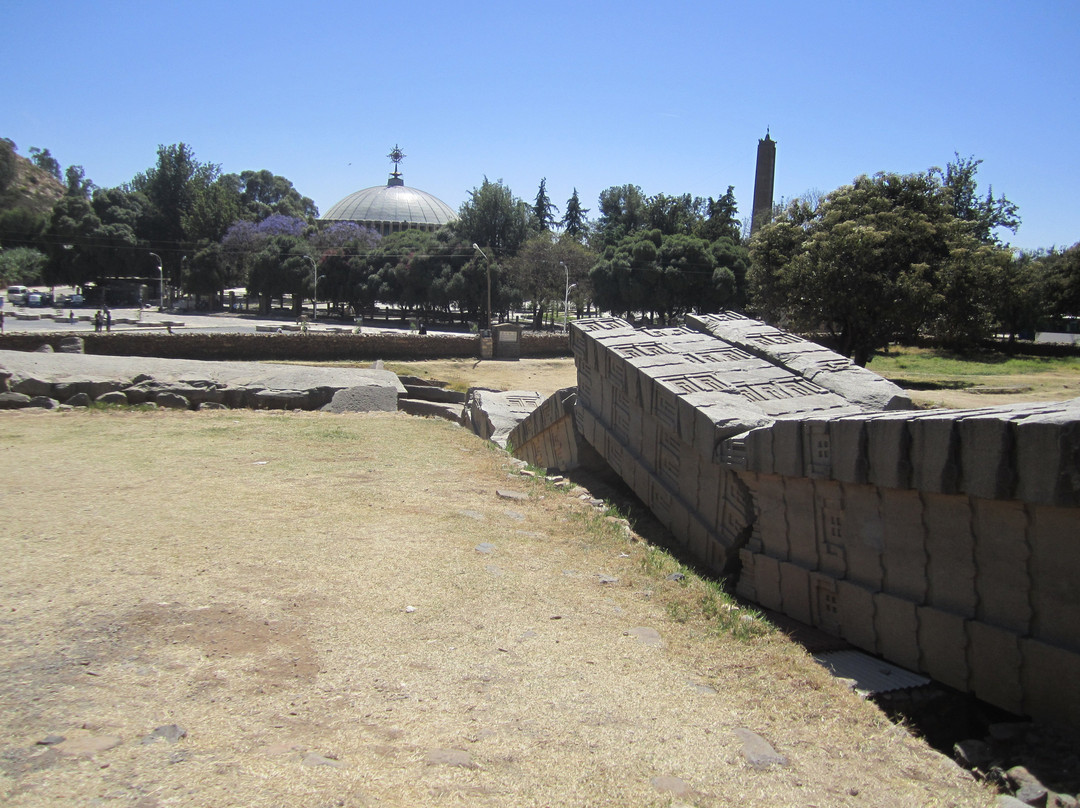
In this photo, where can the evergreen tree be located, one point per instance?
(543, 208)
(573, 222)
(722, 218)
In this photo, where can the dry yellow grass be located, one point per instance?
(304, 594)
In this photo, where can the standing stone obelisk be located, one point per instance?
(763, 183)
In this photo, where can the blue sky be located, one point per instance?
(670, 96)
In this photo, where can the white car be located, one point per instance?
(16, 295)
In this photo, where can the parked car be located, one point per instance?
(74, 301)
(16, 295)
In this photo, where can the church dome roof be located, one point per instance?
(393, 202)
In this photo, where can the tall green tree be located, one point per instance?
(878, 260)
(982, 216)
(622, 212)
(574, 223)
(77, 183)
(721, 219)
(494, 219)
(673, 215)
(543, 209)
(536, 276)
(662, 276)
(263, 193)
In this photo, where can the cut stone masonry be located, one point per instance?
(946, 541)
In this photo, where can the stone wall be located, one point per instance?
(312, 346)
(945, 541)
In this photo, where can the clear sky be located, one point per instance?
(671, 96)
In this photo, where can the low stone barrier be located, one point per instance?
(294, 345)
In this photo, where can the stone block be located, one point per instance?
(795, 591)
(904, 556)
(735, 513)
(935, 454)
(1049, 676)
(824, 603)
(896, 624)
(855, 608)
(663, 405)
(1048, 457)
(817, 449)
(758, 446)
(848, 445)
(707, 491)
(1002, 583)
(679, 518)
(889, 451)
(1055, 574)
(803, 406)
(986, 457)
(802, 521)
(771, 516)
(995, 662)
(943, 647)
(857, 385)
(950, 551)
(787, 448)
(660, 502)
(746, 584)
(706, 419)
(698, 538)
(15, 401)
(31, 386)
(647, 447)
(588, 386)
(670, 460)
(721, 555)
(767, 582)
(863, 535)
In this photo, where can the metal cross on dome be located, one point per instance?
(396, 155)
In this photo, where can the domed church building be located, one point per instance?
(392, 207)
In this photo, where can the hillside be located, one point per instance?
(32, 188)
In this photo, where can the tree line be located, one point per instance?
(886, 258)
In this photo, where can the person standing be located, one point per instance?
(108, 319)
(97, 320)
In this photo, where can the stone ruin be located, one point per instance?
(48, 380)
(946, 541)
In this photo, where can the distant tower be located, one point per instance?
(763, 183)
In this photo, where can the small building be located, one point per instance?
(507, 340)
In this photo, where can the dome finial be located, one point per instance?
(396, 155)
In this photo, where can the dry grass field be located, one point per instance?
(340, 610)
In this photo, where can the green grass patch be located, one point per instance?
(928, 362)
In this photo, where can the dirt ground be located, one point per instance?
(257, 609)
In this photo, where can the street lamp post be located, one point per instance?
(314, 289)
(487, 262)
(161, 282)
(566, 297)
